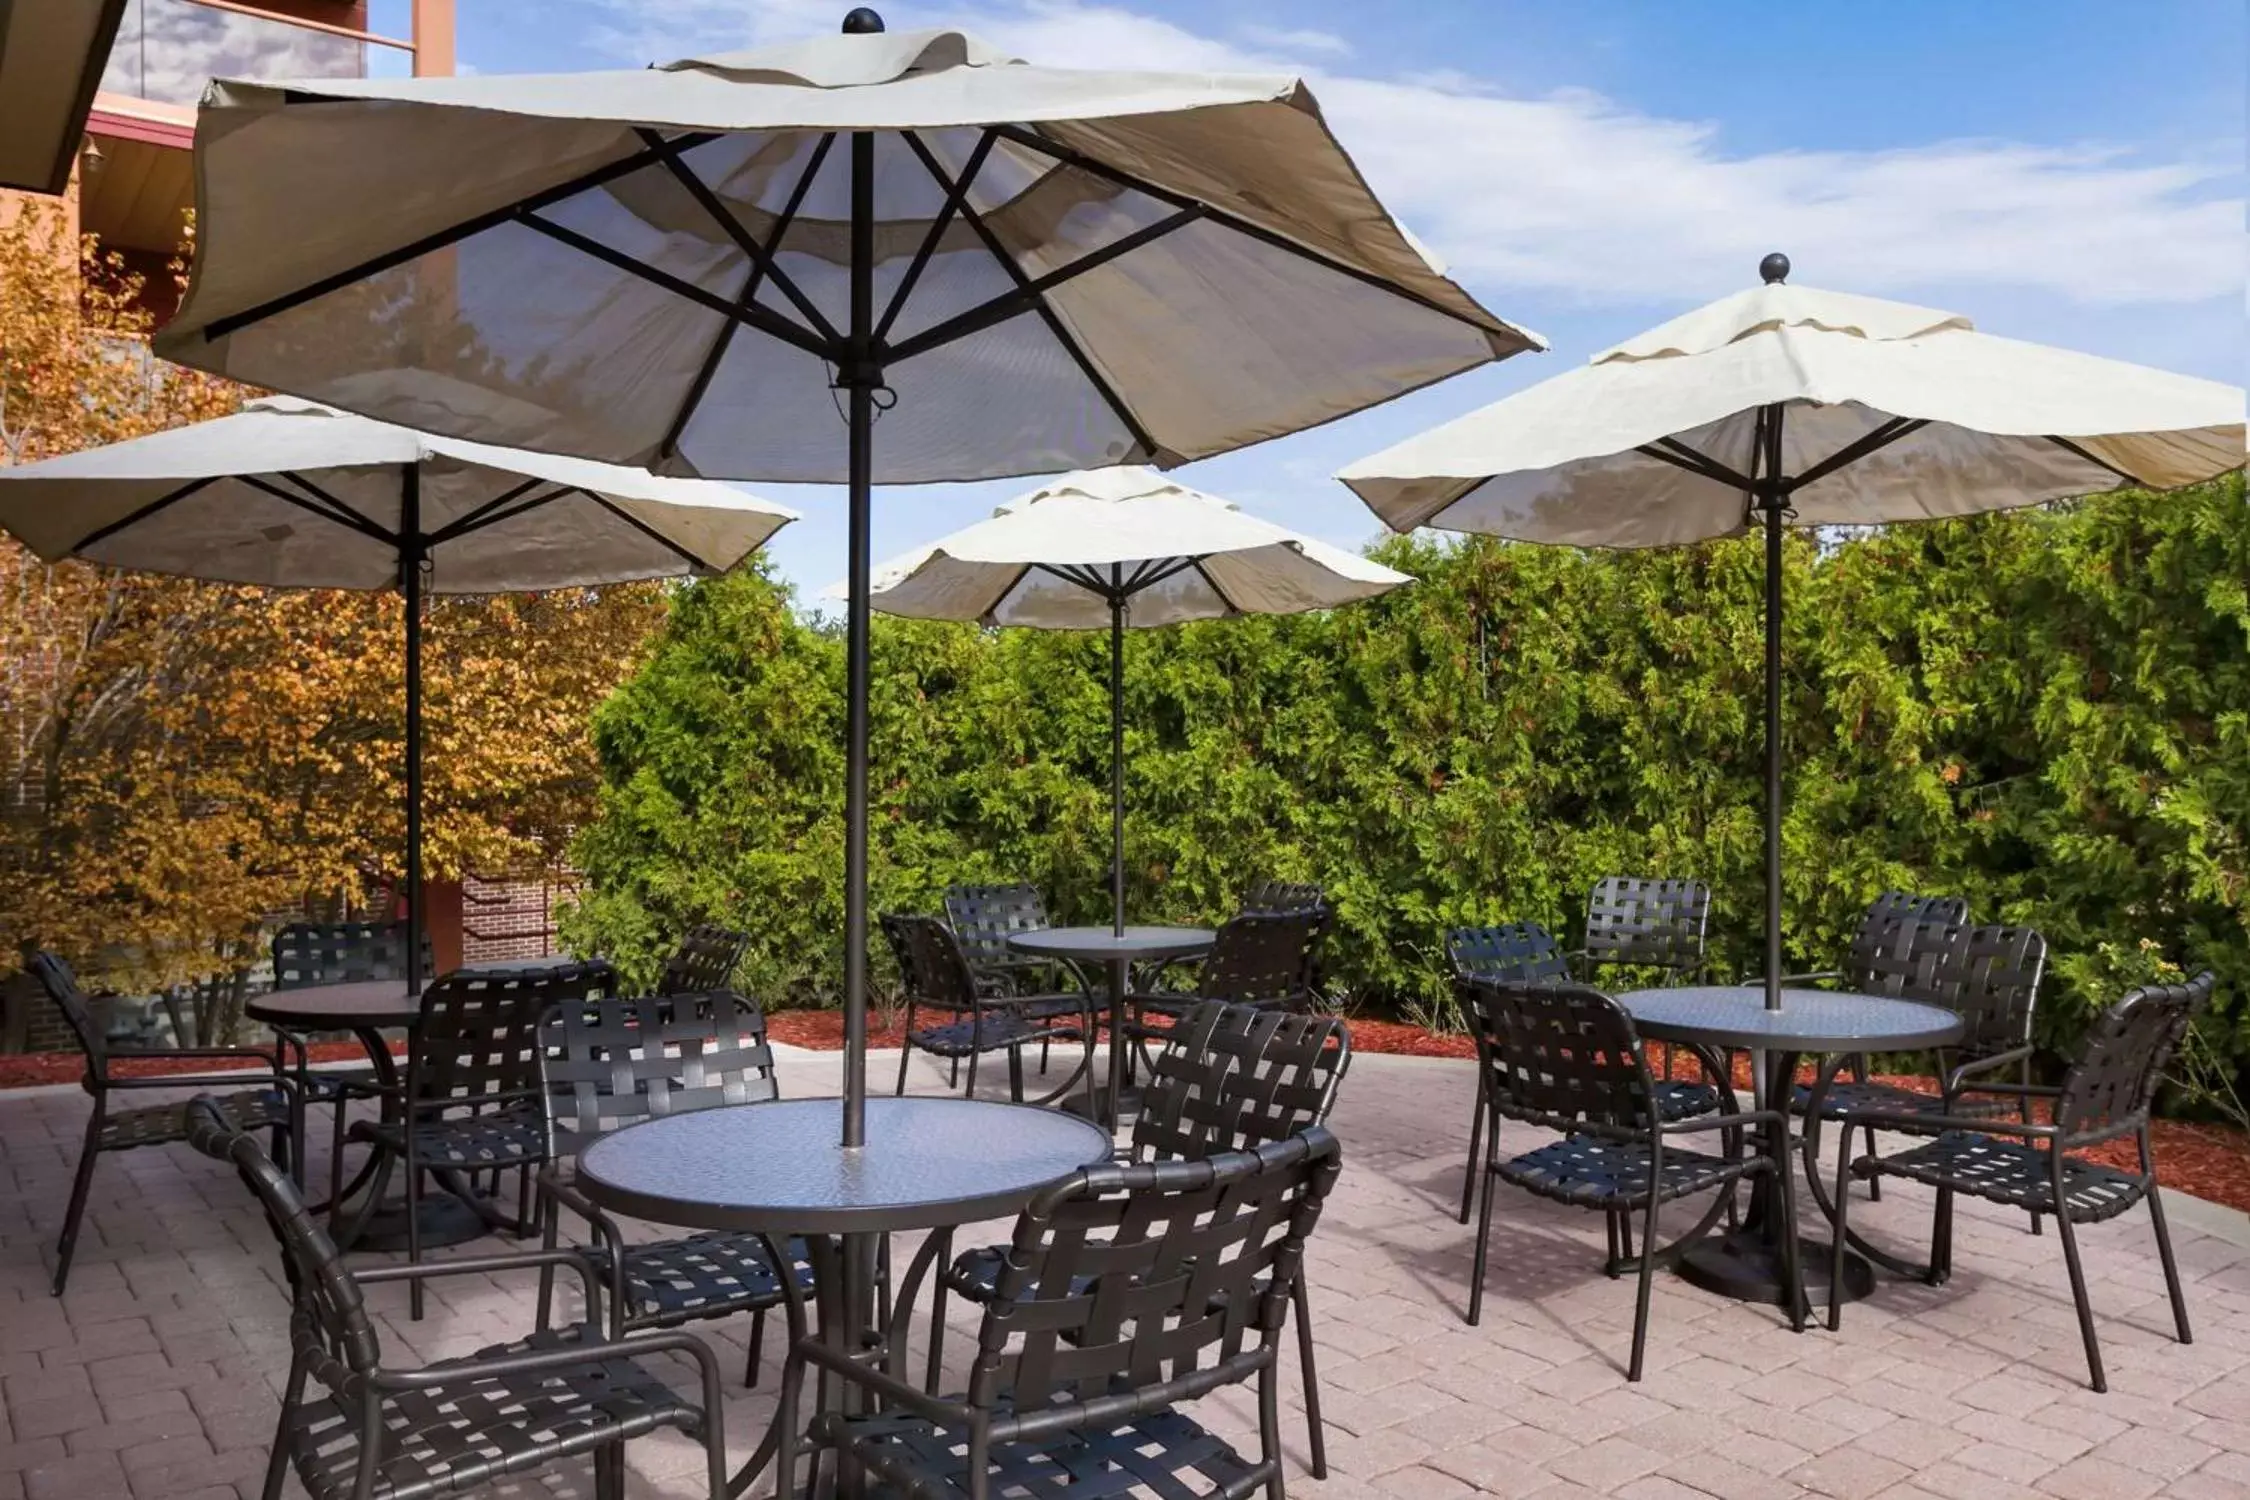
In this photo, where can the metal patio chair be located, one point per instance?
(606, 1064)
(1642, 923)
(355, 1428)
(1229, 1078)
(982, 918)
(938, 977)
(2106, 1096)
(1567, 1057)
(1526, 951)
(270, 1106)
(472, 1101)
(1127, 1291)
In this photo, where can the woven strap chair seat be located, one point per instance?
(702, 1276)
(1001, 1029)
(2010, 1172)
(443, 1439)
(1593, 1173)
(161, 1125)
(496, 1138)
(1677, 1099)
(1845, 1098)
(1162, 1454)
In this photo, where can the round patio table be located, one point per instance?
(366, 1008)
(777, 1170)
(1117, 952)
(1726, 1018)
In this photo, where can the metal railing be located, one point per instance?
(167, 50)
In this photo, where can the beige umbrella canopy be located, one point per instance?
(1790, 406)
(293, 495)
(728, 266)
(1110, 548)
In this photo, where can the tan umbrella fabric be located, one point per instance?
(289, 494)
(1589, 457)
(1048, 559)
(1205, 266)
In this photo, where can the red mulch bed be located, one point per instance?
(2209, 1161)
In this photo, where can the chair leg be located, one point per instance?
(277, 1462)
(1484, 1236)
(1792, 1268)
(1874, 1184)
(80, 1185)
(413, 1228)
(1837, 1250)
(1015, 1074)
(905, 1046)
(1941, 1238)
(1316, 1434)
(757, 1350)
(1269, 1431)
(2078, 1296)
(550, 1239)
(609, 1471)
(2171, 1268)
(1625, 1237)
(936, 1368)
(1476, 1140)
(1647, 1285)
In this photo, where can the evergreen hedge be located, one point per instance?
(2046, 712)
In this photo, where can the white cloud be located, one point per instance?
(1589, 201)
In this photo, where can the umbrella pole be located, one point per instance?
(860, 380)
(410, 584)
(1116, 752)
(1773, 502)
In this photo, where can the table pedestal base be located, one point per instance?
(1745, 1267)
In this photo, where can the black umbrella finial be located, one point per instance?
(862, 21)
(1774, 269)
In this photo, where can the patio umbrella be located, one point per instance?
(287, 494)
(1788, 406)
(731, 265)
(1118, 547)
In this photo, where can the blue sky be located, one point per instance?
(2070, 171)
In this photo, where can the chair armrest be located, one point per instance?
(1984, 1065)
(522, 1260)
(913, 1397)
(1736, 1120)
(532, 1361)
(276, 1079)
(607, 1237)
(1908, 1120)
(2025, 1090)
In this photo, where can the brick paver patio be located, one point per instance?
(157, 1375)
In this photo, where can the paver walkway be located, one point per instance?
(157, 1375)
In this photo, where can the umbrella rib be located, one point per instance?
(1064, 154)
(647, 530)
(1851, 453)
(169, 498)
(1033, 293)
(1205, 574)
(1157, 571)
(349, 520)
(756, 317)
(2072, 448)
(1146, 445)
(956, 194)
(219, 328)
(489, 514)
(1680, 455)
(743, 239)
(341, 510)
(709, 369)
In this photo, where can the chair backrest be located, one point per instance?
(2110, 1087)
(982, 917)
(604, 1064)
(476, 1041)
(1909, 957)
(1563, 1055)
(705, 961)
(1510, 950)
(1283, 895)
(1263, 956)
(1231, 1078)
(307, 953)
(1654, 923)
(899, 933)
(57, 978)
(1170, 1278)
(1995, 973)
(329, 1328)
(937, 971)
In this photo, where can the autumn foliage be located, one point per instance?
(181, 759)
